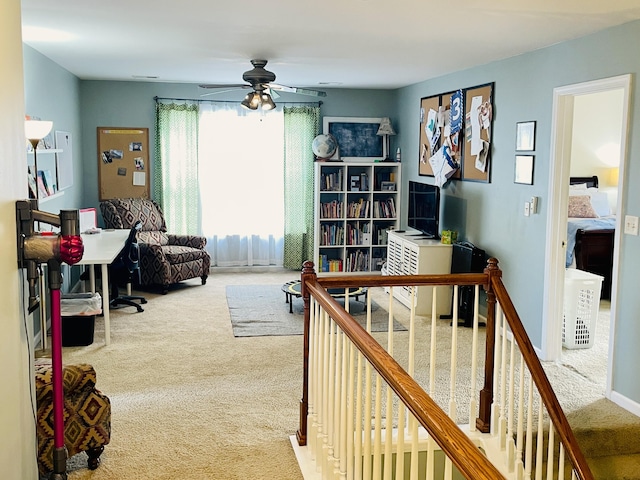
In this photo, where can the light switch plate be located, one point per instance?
(527, 208)
(631, 224)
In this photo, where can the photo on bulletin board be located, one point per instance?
(123, 160)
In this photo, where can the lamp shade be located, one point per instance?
(385, 127)
(37, 129)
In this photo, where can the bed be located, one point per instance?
(590, 231)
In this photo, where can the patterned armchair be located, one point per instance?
(87, 414)
(165, 258)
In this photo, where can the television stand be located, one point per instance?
(409, 255)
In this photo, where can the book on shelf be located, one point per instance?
(42, 188)
(47, 181)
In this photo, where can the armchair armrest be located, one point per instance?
(194, 241)
(155, 252)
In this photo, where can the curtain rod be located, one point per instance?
(157, 99)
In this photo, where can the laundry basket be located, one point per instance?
(581, 307)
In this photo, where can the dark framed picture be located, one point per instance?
(524, 169)
(388, 186)
(526, 136)
(357, 137)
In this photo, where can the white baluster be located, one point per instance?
(550, 454)
(355, 470)
(519, 465)
(540, 441)
(503, 387)
(388, 438)
(528, 459)
(453, 404)
(377, 436)
(510, 417)
(343, 408)
(561, 462)
(473, 404)
(497, 362)
(312, 425)
(330, 400)
(337, 404)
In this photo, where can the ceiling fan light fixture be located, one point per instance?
(251, 101)
(267, 102)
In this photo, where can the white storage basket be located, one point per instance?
(581, 307)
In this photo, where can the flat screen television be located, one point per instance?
(424, 208)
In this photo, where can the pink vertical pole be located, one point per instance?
(56, 362)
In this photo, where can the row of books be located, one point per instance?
(357, 261)
(333, 209)
(331, 181)
(331, 235)
(359, 209)
(384, 208)
(358, 234)
(327, 265)
(42, 186)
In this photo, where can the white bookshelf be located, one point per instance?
(353, 215)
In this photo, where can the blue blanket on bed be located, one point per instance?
(575, 224)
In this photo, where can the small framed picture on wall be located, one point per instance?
(525, 136)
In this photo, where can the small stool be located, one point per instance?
(87, 414)
(294, 289)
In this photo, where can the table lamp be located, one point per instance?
(386, 130)
(36, 130)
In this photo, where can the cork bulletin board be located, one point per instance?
(436, 102)
(483, 96)
(474, 156)
(123, 162)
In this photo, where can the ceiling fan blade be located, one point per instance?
(301, 91)
(226, 90)
(225, 85)
(273, 93)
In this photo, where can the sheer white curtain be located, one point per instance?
(241, 174)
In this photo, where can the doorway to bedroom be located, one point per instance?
(589, 128)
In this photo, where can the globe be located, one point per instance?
(324, 146)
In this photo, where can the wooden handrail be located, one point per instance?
(444, 431)
(548, 396)
(456, 445)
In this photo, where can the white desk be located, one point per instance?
(102, 249)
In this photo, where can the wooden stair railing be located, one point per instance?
(497, 292)
(446, 434)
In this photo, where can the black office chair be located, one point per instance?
(123, 270)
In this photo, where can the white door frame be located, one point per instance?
(558, 188)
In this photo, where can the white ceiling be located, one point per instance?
(333, 43)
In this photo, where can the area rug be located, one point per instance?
(261, 310)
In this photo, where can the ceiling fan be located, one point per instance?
(261, 81)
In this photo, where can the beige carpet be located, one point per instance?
(192, 401)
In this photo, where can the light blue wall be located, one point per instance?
(52, 93)
(491, 215)
(131, 104)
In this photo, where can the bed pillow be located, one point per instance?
(599, 202)
(578, 186)
(580, 207)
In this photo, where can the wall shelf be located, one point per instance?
(43, 151)
(59, 193)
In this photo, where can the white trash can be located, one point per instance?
(581, 308)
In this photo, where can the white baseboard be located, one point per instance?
(626, 403)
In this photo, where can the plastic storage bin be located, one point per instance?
(79, 312)
(581, 307)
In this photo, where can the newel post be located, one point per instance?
(483, 422)
(308, 275)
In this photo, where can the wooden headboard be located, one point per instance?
(590, 181)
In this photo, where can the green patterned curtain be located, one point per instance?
(301, 125)
(175, 168)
